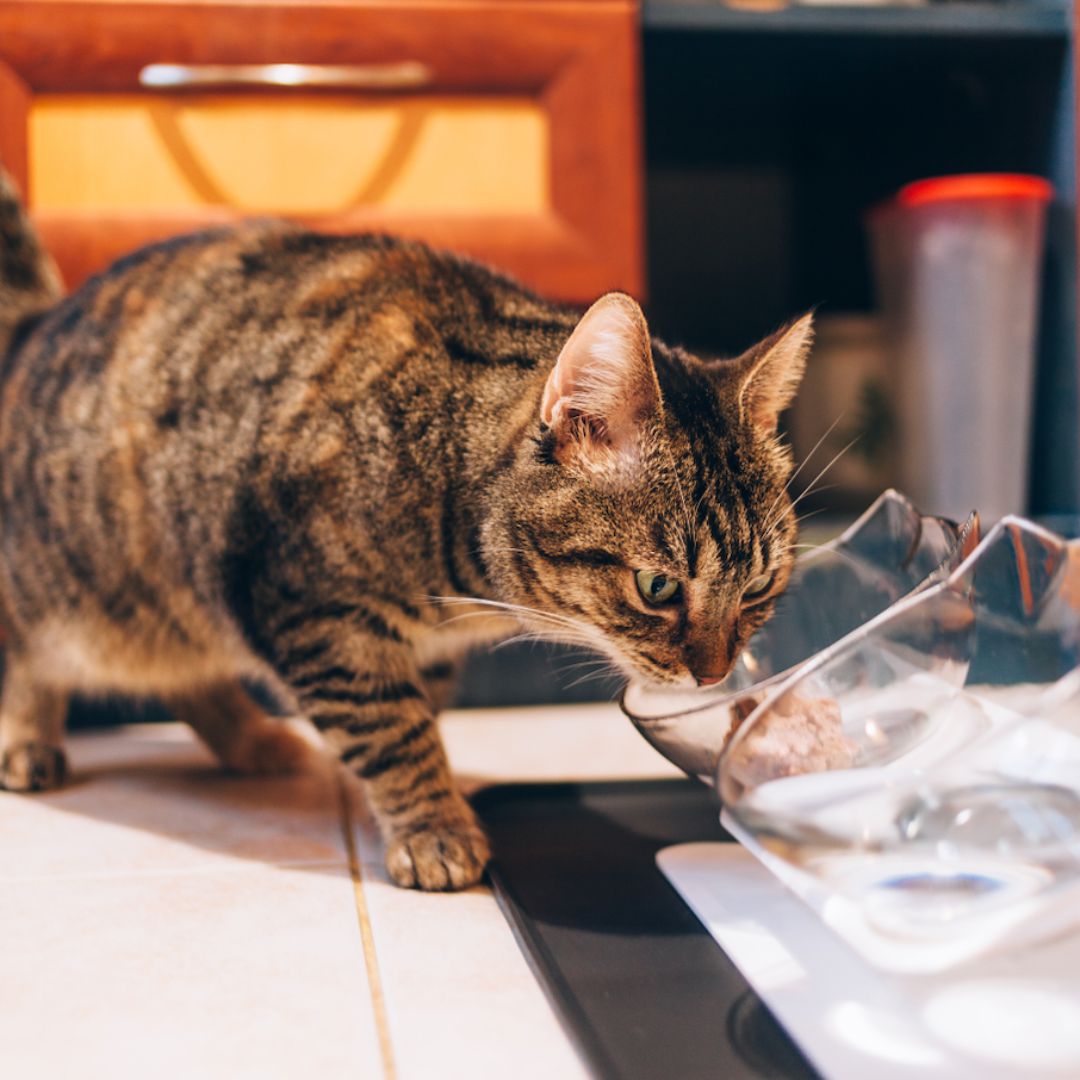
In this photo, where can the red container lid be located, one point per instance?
(975, 186)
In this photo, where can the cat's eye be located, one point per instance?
(656, 589)
(757, 588)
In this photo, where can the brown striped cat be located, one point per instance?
(332, 464)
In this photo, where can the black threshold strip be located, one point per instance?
(638, 982)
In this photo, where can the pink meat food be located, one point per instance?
(798, 735)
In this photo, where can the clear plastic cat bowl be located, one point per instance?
(891, 551)
(919, 783)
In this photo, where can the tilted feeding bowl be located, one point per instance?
(891, 551)
(918, 784)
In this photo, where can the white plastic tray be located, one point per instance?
(1011, 1016)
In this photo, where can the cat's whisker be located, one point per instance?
(455, 619)
(589, 660)
(811, 487)
(545, 625)
(799, 518)
(609, 671)
(517, 639)
(590, 663)
(548, 629)
(518, 610)
(606, 672)
(814, 449)
(599, 650)
(534, 637)
(813, 513)
(805, 461)
(553, 626)
(835, 551)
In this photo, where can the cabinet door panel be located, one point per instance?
(508, 131)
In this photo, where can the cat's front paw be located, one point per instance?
(439, 857)
(32, 767)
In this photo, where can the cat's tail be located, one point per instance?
(29, 280)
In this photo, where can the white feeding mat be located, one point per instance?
(1005, 1016)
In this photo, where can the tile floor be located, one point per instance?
(161, 918)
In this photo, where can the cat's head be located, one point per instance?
(649, 517)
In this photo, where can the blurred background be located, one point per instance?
(733, 165)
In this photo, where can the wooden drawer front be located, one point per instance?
(505, 130)
(297, 154)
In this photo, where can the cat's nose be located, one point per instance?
(710, 653)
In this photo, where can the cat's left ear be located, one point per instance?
(603, 387)
(771, 371)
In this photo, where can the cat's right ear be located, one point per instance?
(603, 388)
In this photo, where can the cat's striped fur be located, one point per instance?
(261, 453)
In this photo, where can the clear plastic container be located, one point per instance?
(918, 784)
(958, 261)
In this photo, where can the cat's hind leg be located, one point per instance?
(32, 717)
(243, 736)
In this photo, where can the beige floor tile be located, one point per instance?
(255, 973)
(152, 799)
(460, 998)
(582, 742)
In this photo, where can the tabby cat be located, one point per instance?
(330, 465)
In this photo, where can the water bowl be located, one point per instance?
(919, 782)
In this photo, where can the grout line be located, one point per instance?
(367, 939)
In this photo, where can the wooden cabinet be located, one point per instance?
(506, 130)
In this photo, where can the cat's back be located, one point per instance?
(205, 287)
(194, 303)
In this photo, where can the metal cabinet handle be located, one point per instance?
(402, 75)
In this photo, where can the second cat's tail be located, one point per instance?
(29, 281)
